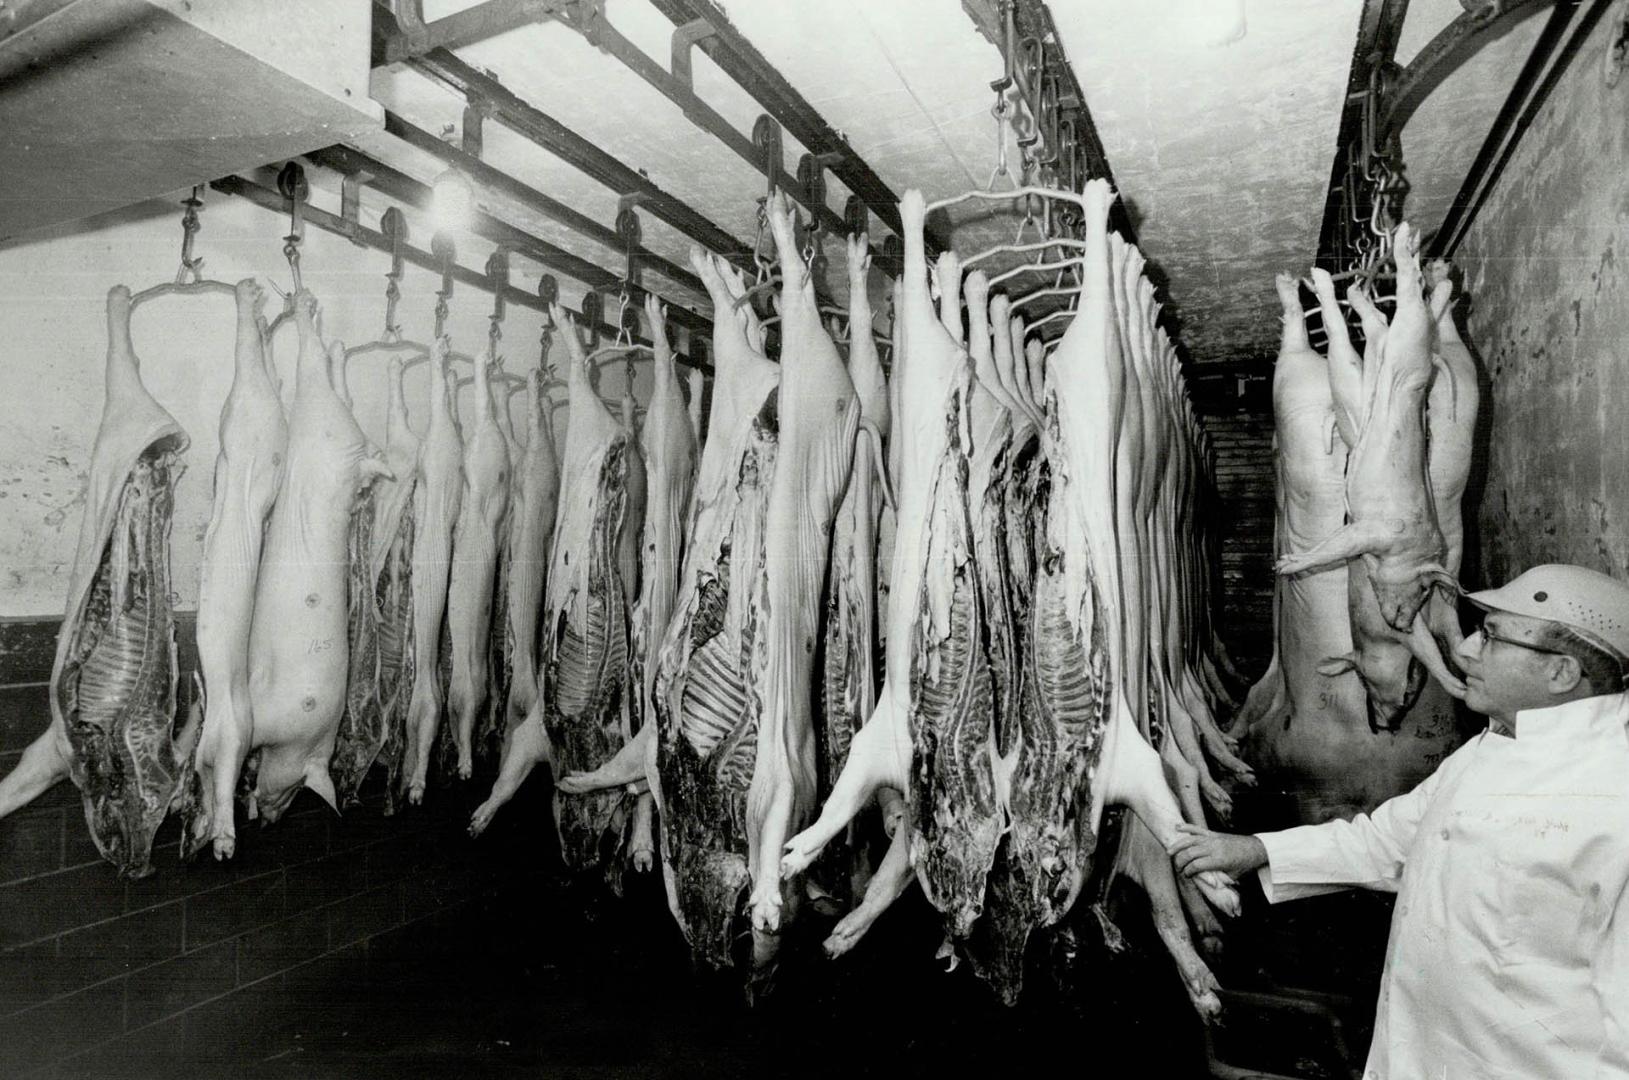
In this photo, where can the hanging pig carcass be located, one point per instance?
(1393, 524)
(581, 718)
(298, 642)
(113, 726)
(248, 474)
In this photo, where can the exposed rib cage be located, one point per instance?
(585, 673)
(707, 716)
(394, 598)
(957, 815)
(361, 726)
(116, 689)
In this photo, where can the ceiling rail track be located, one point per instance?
(271, 199)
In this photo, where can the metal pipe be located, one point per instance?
(268, 199)
(498, 180)
(1509, 126)
(504, 106)
(400, 186)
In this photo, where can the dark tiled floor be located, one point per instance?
(540, 982)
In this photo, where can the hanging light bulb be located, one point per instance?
(453, 200)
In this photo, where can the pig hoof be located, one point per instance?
(643, 860)
(225, 847)
(766, 913)
(415, 795)
(1218, 888)
(481, 818)
(797, 859)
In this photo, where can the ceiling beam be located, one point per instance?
(412, 36)
(500, 103)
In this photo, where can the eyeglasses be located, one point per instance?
(1483, 635)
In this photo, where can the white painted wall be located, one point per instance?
(53, 291)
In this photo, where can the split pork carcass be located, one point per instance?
(818, 416)
(482, 516)
(700, 753)
(849, 644)
(298, 647)
(1393, 522)
(932, 733)
(581, 718)
(1074, 752)
(391, 562)
(248, 473)
(113, 726)
(362, 725)
(487, 735)
(667, 447)
(437, 499)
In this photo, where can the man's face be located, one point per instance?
(1511, 670)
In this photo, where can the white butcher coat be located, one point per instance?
(1509, 947)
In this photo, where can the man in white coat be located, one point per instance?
(1509, 948)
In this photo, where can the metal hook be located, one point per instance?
(189, 228)
(394, 225)
(292, 183)
(445, 251)
(497, 275)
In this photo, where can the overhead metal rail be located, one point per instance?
(701, 24)
(496, 179)
(353, 230)
(1516, 116)
(403, 188)
(415, 37)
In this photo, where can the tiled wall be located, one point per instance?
(214, 961)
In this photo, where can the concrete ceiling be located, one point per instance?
(1222, 150)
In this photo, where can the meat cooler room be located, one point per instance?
(814, 538)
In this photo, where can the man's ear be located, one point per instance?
(1565, 674)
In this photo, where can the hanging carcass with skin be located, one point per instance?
(437, 499)
(849, 646)
(581, 718)
(391, 562)
(482, 515)
(699, 754)
(248, 473)
(298, 642)
(113, 726)
(667, 445)
(1393, 524)
(533, 509)
(361, 726)
(1077, 745)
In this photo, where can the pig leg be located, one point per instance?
(1150, 868)
(1135, 780)
(874, 760)
(1345, 544)
(523, 748)
(43, 764)
(642, 845)
(627, 766)
(1424, 647)
(888, 884)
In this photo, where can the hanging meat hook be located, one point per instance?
(292, 183)
(190, 266)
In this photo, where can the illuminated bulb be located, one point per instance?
(452, 200)
(1209, 24)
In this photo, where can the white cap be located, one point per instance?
(1588, 601)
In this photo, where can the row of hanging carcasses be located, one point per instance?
(1023, 527)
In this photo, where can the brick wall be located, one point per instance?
(215, 961)
(1245, 481)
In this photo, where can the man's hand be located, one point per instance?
(1198, 850)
